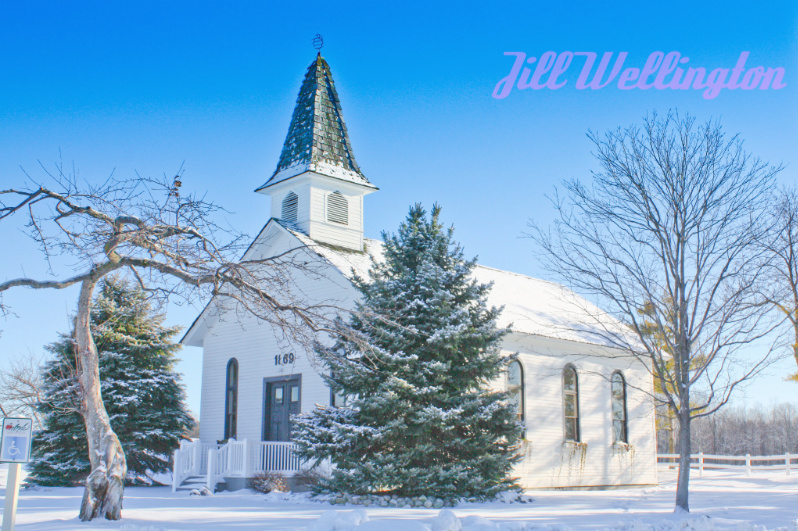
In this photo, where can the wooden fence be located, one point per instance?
(747, 462)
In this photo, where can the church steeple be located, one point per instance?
(317, 137)
(318, 187)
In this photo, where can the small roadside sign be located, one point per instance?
(15, 440)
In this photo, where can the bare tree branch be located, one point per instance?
(781, 290)
(21, 389)
(169, 242)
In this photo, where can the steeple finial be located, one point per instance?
(318, 43)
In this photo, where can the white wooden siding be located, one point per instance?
(254, 345)
(547, 461)
(312, 190)
(321, 230)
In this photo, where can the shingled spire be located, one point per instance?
(317, 139)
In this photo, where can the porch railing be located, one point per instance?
(191, 459)
(242, 459)
(278, 457)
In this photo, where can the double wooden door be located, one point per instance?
(281, 400)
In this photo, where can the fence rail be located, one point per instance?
(749, 463)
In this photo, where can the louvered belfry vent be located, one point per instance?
(290, 204)
(337, 209)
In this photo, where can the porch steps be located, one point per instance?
(191, 483)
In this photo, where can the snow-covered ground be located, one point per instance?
(720, 501)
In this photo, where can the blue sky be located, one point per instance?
(148, 87)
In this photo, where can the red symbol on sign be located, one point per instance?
(9, 426)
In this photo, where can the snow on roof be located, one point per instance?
(532, 306)
(539, 307)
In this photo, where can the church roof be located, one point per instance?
(530, 305)
(317, 138)
(533, 307)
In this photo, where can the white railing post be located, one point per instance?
(210, 480)
(232, 459)
(787, 459)
(175, 468)
(748, 465)
(196, 458)
(229, 452)
(268, 463)
(700, 464)
(246, 465)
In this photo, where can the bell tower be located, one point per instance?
(317, 186)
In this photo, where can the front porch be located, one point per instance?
(200, 464)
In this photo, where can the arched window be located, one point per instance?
(337, 208)
(619, 425)
(570, 388)
(515, 387)
(290, 205)
(231, 400)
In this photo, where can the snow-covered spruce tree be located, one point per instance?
(415, 362)
(142, 393)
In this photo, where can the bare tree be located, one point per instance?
(665, 239)
(170, 244)
(21, 389)
(782, 291)
(741, 430)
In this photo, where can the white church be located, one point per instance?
(586, 408)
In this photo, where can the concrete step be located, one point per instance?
(191, 483)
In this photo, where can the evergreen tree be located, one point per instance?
(141, 391)
(415, 361)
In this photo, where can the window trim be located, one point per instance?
(575, 394)
(333, 395)
(625, 420)
(231, 417)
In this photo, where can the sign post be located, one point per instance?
(15, 444)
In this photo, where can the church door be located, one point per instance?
(281, 400)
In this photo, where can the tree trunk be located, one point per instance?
(795, 345)
(682, 486)
(714, 425)
(106, 483)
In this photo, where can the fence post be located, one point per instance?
(700, 464)
(748, 465)
(787, 463)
